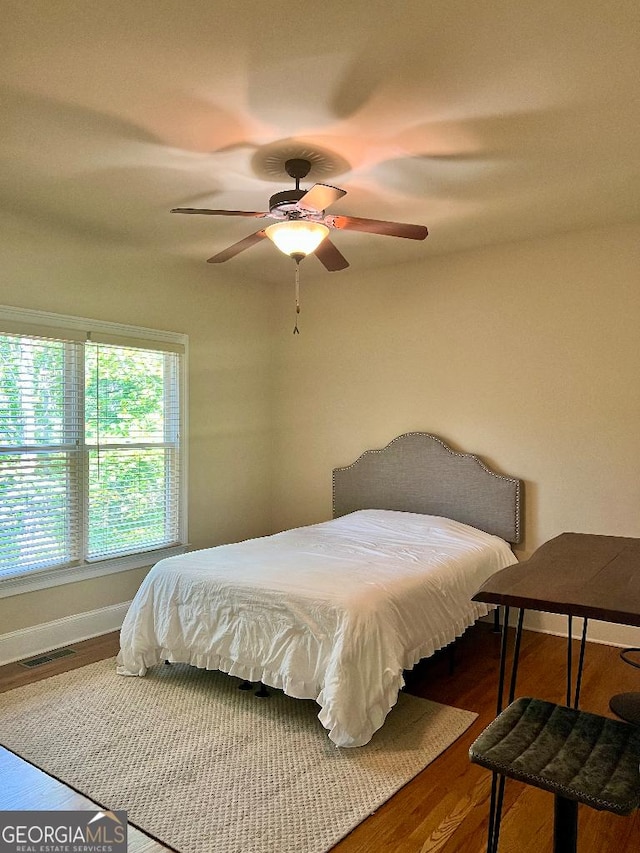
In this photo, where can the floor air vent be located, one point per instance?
(31, 663)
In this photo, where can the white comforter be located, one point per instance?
(333, 611)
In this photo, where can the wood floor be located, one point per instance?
(444, 809)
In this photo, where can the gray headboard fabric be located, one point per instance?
(418, 472)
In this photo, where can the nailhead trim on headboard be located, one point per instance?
(508, 520)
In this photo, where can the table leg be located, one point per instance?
(516, 656)
(503, 660)
(569, 657)
(498, 782)
(583, 643)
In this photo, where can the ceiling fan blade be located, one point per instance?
(254, 213)
(378, 226)
(238, 247)
(320, 196)
(330, 256)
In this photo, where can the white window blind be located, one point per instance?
(40, 462)
(90, 449)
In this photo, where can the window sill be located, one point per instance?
(32, 581)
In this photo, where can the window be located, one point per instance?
(91, 456)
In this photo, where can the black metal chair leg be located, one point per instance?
(565, 825)
(262, 691)
(498, 817)
(492, 812)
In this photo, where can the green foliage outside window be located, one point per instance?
(122, 444)
(124, 404)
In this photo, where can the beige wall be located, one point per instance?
(527, 354)
(229, 405)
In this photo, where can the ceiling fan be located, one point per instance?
(302, 227)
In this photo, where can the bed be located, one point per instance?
(336, 611)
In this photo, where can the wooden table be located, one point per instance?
(577, 574)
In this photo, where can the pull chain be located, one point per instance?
(296, 330)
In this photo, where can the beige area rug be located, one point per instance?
(207, 768)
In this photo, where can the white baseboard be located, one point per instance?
(26, 642)
(606, 633)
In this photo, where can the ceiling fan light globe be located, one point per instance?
(297, 238)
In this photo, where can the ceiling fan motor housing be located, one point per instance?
(284, 205)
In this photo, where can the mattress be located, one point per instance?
(332, 612)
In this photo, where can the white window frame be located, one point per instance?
(10, 318)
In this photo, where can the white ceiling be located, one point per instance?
(486, 121)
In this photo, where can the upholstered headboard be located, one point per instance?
(418, 472)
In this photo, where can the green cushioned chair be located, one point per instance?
(578, 756)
